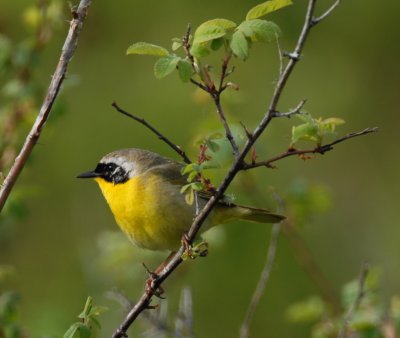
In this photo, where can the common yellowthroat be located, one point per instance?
(143, 191)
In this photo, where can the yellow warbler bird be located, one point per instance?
(143, 191)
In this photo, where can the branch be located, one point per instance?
(294, 111)
(155, 131)
(67, 52)
(176, 260)
(328, 12)
(317, 150)
(262, 282)
(361, 292)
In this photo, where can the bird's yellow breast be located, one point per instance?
(151, 211)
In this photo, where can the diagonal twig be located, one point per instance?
(155, 131)
(317, 150)
(70, 44)
(264, 277)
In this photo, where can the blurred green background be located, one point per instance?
(62, 250)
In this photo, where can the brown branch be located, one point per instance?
(68, 50)
(317, 150)
(155, 131)
(176, 260)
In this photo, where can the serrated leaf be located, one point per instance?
(165, 66)
(212, 29)
(144, 48)
(266, 7)
(185, 69)
(239, 45)
(217, 43)
(260, 30)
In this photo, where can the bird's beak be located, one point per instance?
(89, 174)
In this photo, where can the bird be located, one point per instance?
(143, 191)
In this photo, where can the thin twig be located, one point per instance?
(328, 12)
(176, 260)
(155, 131)
(263, 280)
(317, 150)
(294, 111)
(70, 44)
(357, 301)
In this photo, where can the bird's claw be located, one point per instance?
(151, 289)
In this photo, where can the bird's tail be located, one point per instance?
(258, 215)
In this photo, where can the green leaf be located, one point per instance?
(165, 66)
(189, 197)
(305, 132)
(185, 69)
(185, 188)
(84, 331)
(306, 311)
(212, 29)
(239, 45)
(217, 43)
(176, 44)
(144, 48)
(72, 330)
(199, 50)
(188, 168)
(266, 7)
(87, 308)
(260, 30)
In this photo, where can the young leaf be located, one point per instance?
(305, 132)
(266, 7)
(185, 70)
(217, 43)
(239, 45)
(165, 66)
(176, 44)
(144, 48)
(189, 197)
(212, 29)
(72, 330)
(260, 30)
(199, 50)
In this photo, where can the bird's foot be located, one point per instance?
(198, 249)
(151, 287)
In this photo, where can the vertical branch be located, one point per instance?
(68, 50)
(262, 282)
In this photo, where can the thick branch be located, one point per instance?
(145, 300)
(68, 50)
(155, 131)
(317, 150)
